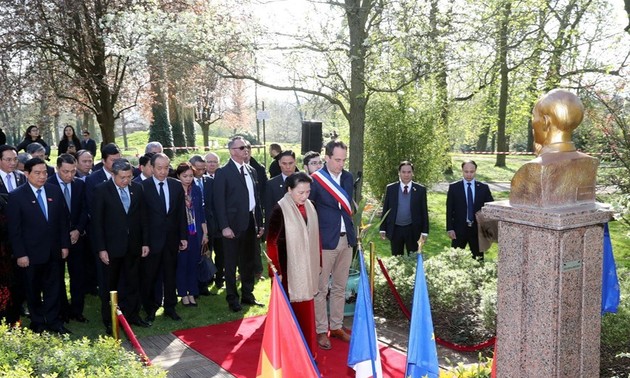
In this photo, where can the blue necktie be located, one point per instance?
(125, 199)
(469, 199)
(10, 182)
(40, 200)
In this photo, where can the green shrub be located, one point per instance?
(460, 290)
(27, 354)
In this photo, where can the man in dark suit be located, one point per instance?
(85, 162)
(39, 207)
(11, 177)
(331, 192)
(120, 234)
(73, 190)
(168, 234)
(144, 165)
(88, 143)
(405, 212)
(275, 186)
(109, 153)
(213, 163)
(238, 214)
(463, 200)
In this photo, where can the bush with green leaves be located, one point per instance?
(460, 291)
(27, 354)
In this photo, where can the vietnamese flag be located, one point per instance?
(284, 352)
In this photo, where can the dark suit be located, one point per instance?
(330, 214)
(89, 145)
(273, 193)
(165, 232)
(215, 241)
(456, 211)
(405, 235)
(41, 240)
(93, 265)
(95, 178)
(122, 234)
(76, 258)
(231, 209)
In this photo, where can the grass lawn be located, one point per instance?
(214, 309)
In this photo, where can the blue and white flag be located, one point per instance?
(364, 356)
(422, 361)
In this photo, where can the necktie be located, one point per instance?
(66, 194)
(469, 200)
(125, 199)
(10, 182)
(163, 196)
(243, 172)
(40, 200)
(200, 184)
(405, 191)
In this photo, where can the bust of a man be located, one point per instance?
(560, 176)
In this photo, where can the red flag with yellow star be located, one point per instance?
(284, 352)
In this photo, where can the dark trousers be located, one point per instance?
(240, 251)
(41, 282)
(127, 266)
(403, 237)
(76, 270)
(163, 262)
(468, 236)
(219, 260)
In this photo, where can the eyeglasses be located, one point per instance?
(241, 148)
(212, 162)
(315, 162)
(10, 160)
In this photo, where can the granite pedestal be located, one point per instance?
(549, 289)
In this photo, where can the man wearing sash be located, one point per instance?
(332, 192)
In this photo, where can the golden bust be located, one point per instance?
(560, 176)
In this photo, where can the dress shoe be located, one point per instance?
(138, 321)
(218, 284)
(172, 314)
(108, 330)
(340, 334)
(151, 318)
(37, 328)
(252, 302)
(79, 318)
(235, 307)
(60, 330)
(204, 291)
(323, 341)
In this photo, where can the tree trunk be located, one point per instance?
(503, 91)
(189, 126)
(356, 15)
(176, 118)
(160, 128)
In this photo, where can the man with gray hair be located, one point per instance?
(120, 235)
(154, 147)
(37, 150)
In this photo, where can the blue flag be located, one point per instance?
(610, 282)
(422, 361)
(364, 356)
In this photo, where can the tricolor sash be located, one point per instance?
(326, 181)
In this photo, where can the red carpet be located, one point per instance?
(236, 346)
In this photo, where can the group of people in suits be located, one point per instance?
(406, 218)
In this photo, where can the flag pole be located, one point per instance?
(372, 258)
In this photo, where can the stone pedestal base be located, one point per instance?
(549, 290)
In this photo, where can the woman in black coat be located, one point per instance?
(69, 138)
(32, 135)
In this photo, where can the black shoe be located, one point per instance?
(64, 318)
(37, 328)
(108, 330)
(139, 322)
(204, 291)
(172, 314)
(61, 330)
(150, 318)
(235, 307)
(218, 284)
(252, 302)
(79, 318)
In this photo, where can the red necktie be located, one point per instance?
(405, 191)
